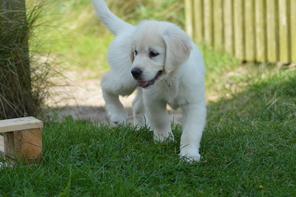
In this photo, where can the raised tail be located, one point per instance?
(112, 22)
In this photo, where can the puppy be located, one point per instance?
(159, 60)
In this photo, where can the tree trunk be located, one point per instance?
(15, 80)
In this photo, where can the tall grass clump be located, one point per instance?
(24, 77)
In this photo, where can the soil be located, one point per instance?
(83, 100)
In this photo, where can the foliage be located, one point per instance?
(77, 35)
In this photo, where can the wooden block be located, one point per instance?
(23, 145)
(22, 139)
(17, 124)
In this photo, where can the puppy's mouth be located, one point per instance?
(145, 84)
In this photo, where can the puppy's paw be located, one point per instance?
(118, 120)
(142, 123)
(162, 138)
(190, 156)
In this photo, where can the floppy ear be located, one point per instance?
(178, 47)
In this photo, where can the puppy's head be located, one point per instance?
(158, 49)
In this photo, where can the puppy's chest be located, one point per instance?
(174, 96)
(176, 102)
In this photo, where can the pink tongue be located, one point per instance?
(142, 83)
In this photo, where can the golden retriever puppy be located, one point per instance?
(159, 60)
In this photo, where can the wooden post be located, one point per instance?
(22, 139)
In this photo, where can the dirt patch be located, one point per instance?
(83, 100)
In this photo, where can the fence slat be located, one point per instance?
(293, 30)
(260, 31)
(198, 20)
(249, 31)
(208, 22)
(218, 20)
(252, 30)
(272, 38)
(283, 31)
(189, 17)
(228, 26)
(238, 29)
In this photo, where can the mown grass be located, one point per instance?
(248, 149)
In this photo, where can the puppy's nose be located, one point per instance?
(136, 72)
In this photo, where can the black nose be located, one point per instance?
(136, 72)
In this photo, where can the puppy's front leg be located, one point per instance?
(112, 87)
(194, 118)
(114, 108)
(139, 110)
(159, 119)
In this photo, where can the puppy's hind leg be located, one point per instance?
(111, 91)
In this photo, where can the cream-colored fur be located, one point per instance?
(160, 61)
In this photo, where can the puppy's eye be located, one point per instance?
(153, 54)
(135, 52)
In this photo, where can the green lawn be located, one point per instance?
(248, 149)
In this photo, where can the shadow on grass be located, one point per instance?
(266, 99)
(94, 114)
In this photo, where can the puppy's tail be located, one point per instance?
(112, 22)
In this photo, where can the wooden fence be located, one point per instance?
(251, 30)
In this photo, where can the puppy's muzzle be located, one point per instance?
(137, 74)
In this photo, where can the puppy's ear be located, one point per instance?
(178, 47)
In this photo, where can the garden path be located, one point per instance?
(82, 99)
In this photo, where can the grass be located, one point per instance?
(248, 149)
